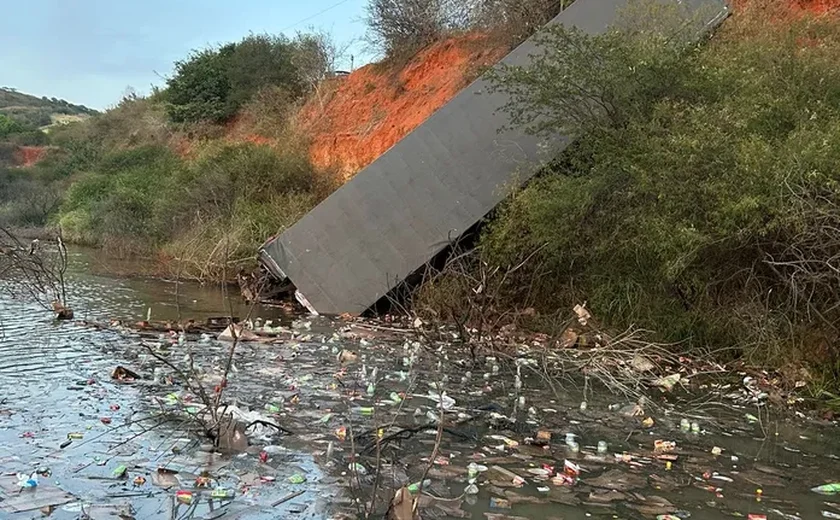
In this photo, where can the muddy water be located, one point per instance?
(56, 381)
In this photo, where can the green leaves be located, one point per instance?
(212, 84)
(704, 189)
(9, 126)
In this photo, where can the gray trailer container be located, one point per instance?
(428, 189)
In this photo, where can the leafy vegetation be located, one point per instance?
(702, 197)
(165, 173)
(213, 84)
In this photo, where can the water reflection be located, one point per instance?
(98, 292)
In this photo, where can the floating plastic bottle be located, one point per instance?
(685, 425)
(222, 493)
(827, 489)
(602, 447)
(695, 427)
(415, 487)
(583, 406)
(357, 468)
(27, 482)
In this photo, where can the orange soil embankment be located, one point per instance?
(30, 155)
(793, 6)
(816, 6)
(376, 106)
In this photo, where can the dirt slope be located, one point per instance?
(370, 110)
(29, 155)
(817, 6)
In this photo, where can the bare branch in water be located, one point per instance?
(35, 271)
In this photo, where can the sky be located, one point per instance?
(91, 51)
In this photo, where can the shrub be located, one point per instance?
(200, 88)
(212, 84)
(126, 196)
(398, 28)
(702, 198)
(227, 175)
(9, 126)
(517, 19)
(259, 61)
(232, 199)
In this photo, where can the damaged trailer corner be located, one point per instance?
(428, 189)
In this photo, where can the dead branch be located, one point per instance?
(35, 272)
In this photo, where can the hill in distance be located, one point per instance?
(40, 112)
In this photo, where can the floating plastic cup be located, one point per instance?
(583, 406)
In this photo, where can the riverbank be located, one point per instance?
(362, 400)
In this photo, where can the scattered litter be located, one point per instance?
(660, 446)
(499, 503)
(124, 374)
(827, 489)
(667, 383)
(237, 332)
(184, 497)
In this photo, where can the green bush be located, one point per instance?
(9, 126)
(200, 89)
(125, 196)
(212, 84)
(229, 175)
(703, 196)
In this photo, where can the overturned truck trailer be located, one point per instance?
(436, 183)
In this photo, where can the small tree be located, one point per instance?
(212, 84)
(400, 27)
(260, 60)
(517, 19)
(200, 88)
(9, 126)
